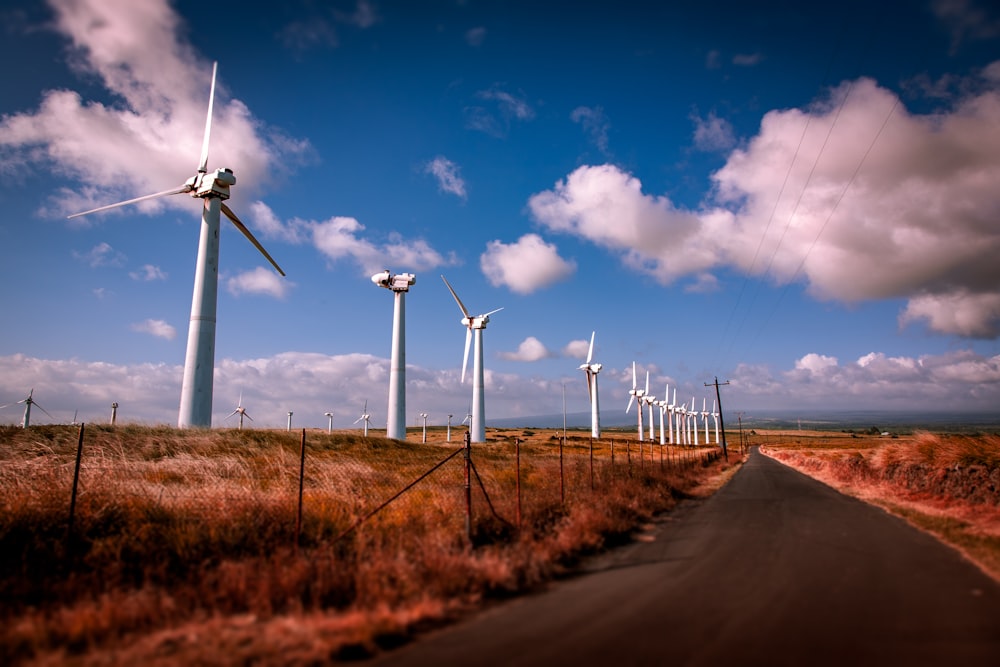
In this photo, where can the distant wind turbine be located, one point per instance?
(28, 401)
(241, 411)
(648, 400)
(474, 324)
(424, 415)
(399, 285)
(592, 370)
(114, 412)
(329, 415)
(635, 395)
(365, 417)
(449, 427)
(199, 362)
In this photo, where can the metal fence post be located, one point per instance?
(517, 451)
(302, 475)
(591, 463)
(468, 485)
(72, 498)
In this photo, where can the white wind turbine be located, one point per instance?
(199, 361)
(664, 406)
(693, 421)
(636, 395)
(424, 416)
(399, 285)
(241, 411)
(680, 413)
(329, 415)
(449, 427)
(28, 401)
(649, 400)
(704, 416)
(474, 324)
(365, 417)
(715, 420)
(592, 370)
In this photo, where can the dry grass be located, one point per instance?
(184, 543)
(947, 484)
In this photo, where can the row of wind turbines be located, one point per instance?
(213, 188)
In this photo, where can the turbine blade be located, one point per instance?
(633, 375)
(203, 165)
(647, 382)
(165, 193)
(465, 311)
(35, 403)
(491, 312)
(248, 416)
(590, 390)
(465, 356)
(590, 354)
(232, 413)
(629, 406)
(246, 232)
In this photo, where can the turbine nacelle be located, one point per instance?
(397, 283)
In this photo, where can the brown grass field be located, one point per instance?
(945, 483)
(187, 546)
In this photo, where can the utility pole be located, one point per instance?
(722, 422)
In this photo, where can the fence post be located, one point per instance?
(517, 450)
(72, 498)
(302, 476)
(468, 485)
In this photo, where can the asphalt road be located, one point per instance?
(774, 569)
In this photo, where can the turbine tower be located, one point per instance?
(399, 285)
(635, 394)
(329, 415)
(241, 411)
(649, 400)
(715, 420)
(28, 401)
(704, 416)
(449, 427)
(199, 361)
(592, 370)
(474, 324)
(114, 412)
(424, 439)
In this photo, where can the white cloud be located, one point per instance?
(815, 363)
(595, 123)
(259, 281)
(475, 36)
(713, 133)
(157, 328)
(339, 237)
(576, 349)
(747, 59)
(875, 203)
(148, 272)
(152, 139)
(446, 173)
(101, 254)
(527, 265)
(509, 107)
(530, 349)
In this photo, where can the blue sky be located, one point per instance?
(801, 201)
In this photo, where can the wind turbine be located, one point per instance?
(28, 402)
(329, 415)
(474, 324)
(635, 394)
(449, 427)
(715, 420)
(199, 361)
(399, 285)
(648, 399)
(424, 415)
(595, 405)
(365, 417)
(290, 413)
(664, 406)
(704, 416)
(693, 421)
(241, 411)
(114, 412)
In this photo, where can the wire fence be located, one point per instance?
(324, 490)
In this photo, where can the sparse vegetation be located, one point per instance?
(184, 543)
(947, 484)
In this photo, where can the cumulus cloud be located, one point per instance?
(875, 203)
(595, 123)
(340, 238)
(148, 272)
(446, 173)
(713, 133)
(576, 349)
(526, 265)
(157, 328)
(151, 139)
(530, 349)
(101, 254)
(259, 281)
